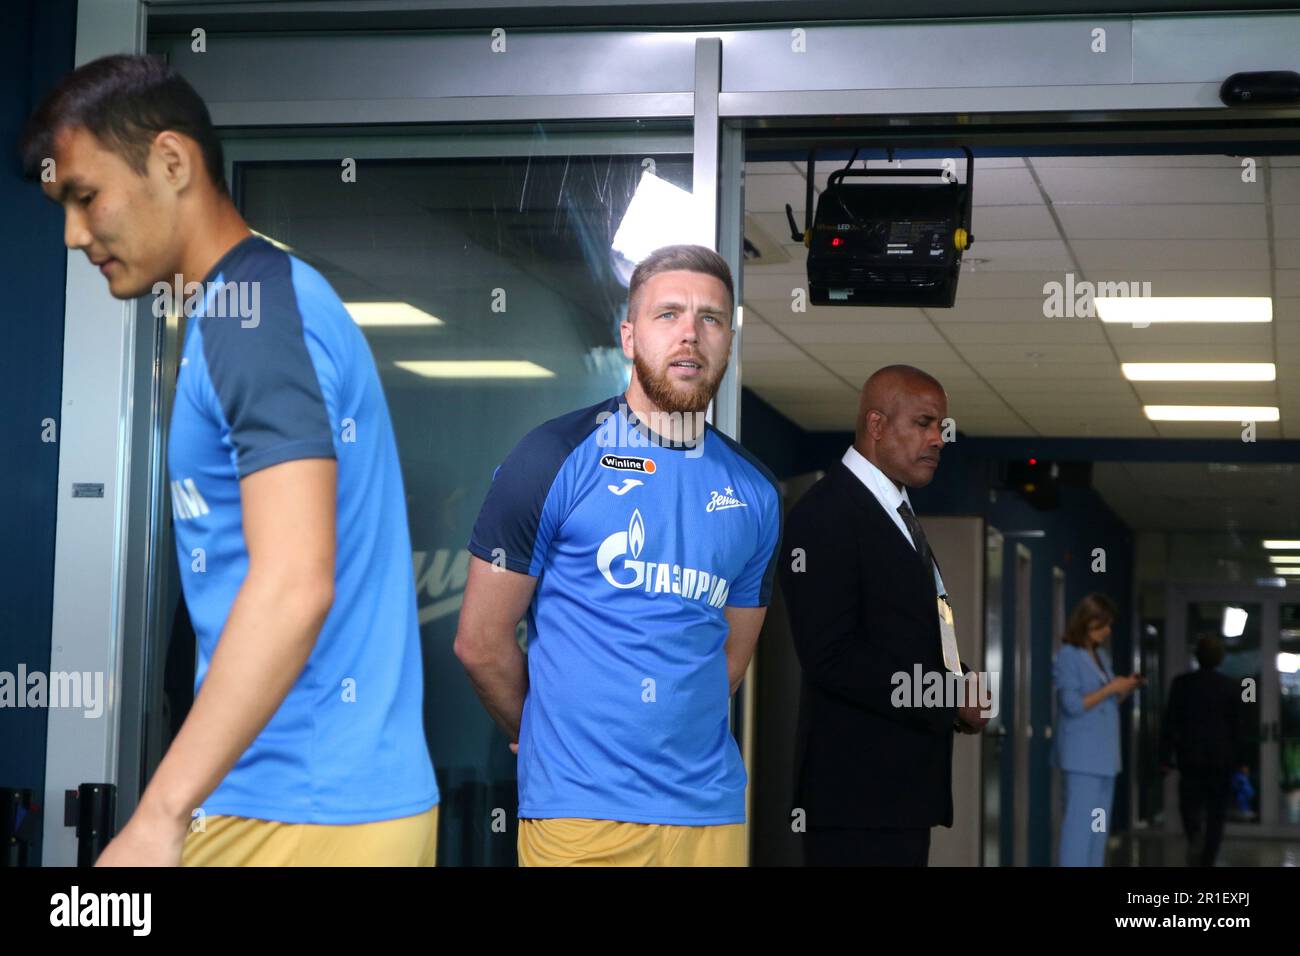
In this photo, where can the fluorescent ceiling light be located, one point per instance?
(1211, 413)
(1281, 544)
(1288, 663)
(1234, 621)
(1199, 371)
(1284, 558)
(1287, 570)
(1144, 310)
(477, 369)
(660, 214)
(389, 314)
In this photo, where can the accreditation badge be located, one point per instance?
(948, 634)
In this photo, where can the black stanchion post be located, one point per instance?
(91, 808)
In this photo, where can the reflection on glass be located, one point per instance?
(1288, 673)
(491, 298)
(1238, 626)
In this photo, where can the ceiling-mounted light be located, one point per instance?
(476, 369)
(1147, 310)
(389, 314)
(1211, 413)
(1234, 620)
(1199, 371)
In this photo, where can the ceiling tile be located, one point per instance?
(1025, 335)
(1103, 184)
(885, 354)
(1171, 221)
(863, 333)
(1137, 257)
(1045, 354)
(1206, 393)
(1011, 223)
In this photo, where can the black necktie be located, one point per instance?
(918, 537)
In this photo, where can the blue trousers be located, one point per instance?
(1083, 830)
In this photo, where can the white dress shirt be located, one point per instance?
(890, 497)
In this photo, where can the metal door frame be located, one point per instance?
(1023, 730)
(1055, 789)
(106, 560)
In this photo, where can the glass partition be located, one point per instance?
(1240, 626)
(490, 281)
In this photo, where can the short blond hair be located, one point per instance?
(685, 258)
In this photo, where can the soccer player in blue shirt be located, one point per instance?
(305, 743)
(640, 542)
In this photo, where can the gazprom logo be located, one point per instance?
(651, 576)
(636, 534)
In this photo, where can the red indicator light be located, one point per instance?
(837, 241)
(1033, 461)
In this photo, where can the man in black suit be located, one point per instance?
(873, 771)
(1204, 735)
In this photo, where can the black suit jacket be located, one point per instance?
(1205, 723)
(861, 610)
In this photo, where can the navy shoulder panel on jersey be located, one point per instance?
(773, 518)
(510, 523)
(259, 365)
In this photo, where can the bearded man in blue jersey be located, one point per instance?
(641, 544)
(305, 743)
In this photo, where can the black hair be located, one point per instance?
(125, 101)
(1209, 652)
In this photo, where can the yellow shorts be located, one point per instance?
(240, 841)
(577, 842)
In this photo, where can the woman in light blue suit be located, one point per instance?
(1086, 737)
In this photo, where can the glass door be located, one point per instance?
(1260, 631)
(489, 274)
(1239, 624)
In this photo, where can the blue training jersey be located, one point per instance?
(637, 546)
(294, 378)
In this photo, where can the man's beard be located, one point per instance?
(680, 398)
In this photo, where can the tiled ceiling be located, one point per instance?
(1188, 225)
(1203, 496)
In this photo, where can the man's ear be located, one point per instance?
(625, 332)
(875, 424)
(173, 154)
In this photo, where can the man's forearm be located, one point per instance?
(267, 639)
(501, 684)
(738, 659)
